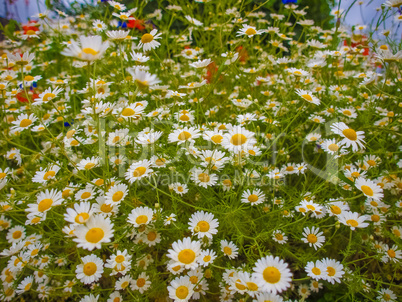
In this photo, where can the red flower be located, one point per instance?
(22, 97)
(243, 54)
(138, 24)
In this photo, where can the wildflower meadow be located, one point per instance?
(201, 150)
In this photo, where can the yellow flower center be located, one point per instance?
(250, 31)
(182, 292)
(217, 139)
(89, 166)
(271, 275)
(25, 122)
(203, 226)
(333, 147)
(81, 218)
(312, 238)
(186, 256)
(139, 171)
(227, 250)
(17, 234)
(203, 177)
(49, 174)
(367, 190)
(127, 112)
(117, 196)
(336, 210)
(352, 223)
(331, 271)
(146, 38)
(184, 136)
(48, 96)
(95, 235)
(316, 271)
(307, 97)
(90, 51)
(140, 282)
(238, 139)
(141, 219)
(252, 198)
(207, 258)
(350, 134)
(45, 204)
(391, 253)
(89, 268)
(85, 195)
(347, 112)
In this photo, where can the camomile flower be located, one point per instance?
(140, 216)
(369, 188)
(179, 188)
(45, 201)
(253, 197)
(116, 194)
(88, 163)
(90, 270)
(99, 26)
(272, 274)
(16, 234)
(316, 270)
(203, 224)
(387, 295)
(85, 194)
(123, 283)
(88, 49)
(148, 138)
(138, 57)
(131, 111)
(47, 96)
(353, 220)
(248, 31)
(23, 121)
(143, 78)
(148, 40)
(206, 257)
(117, 5)
(270, 297)
(335, 208)
(142, 283)
(334, 270)
(97, 230)
(117, 35)
(203, 178)
(229, 249)
(25, 285)
(201, 63)
(181, 289)
(186, 134)
(169, 219)
(238, 139)
(279, 236)
(351, 137)
(44, 175)
(80, 214)
(185, 253)
(138, 170)
(193, 21)
(313, 237)
(308, 96)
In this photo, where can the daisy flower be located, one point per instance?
(142, 283)
(116, 194)
(138, 170)
(90, 270)
(263, 297)
(148, 40)
(203, 178)
(88, 163)
(392, 253)
(25, 285)
(249, 31)
(179, 188)
(117, 35)
(99, 25)
(45, 201)
(272, 274)
(16, 234)
(123, 282)
(229, 249)
(186, 134)
(253, 197)
(143, 78)
(313, 237)
(369, 188)
(85, 194)
(316, 270)
(238, 139)
(201, 63)
(387, 295)
(279, 237)
(308, 96)
(140, 216)
(169, 219)
(185, 253)
(97, 230)
(206, 257)
(334, 270)
(23, 121)
(181, 289)
(203, 224)
(88, 49)
(351, 137)
(80, 214)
